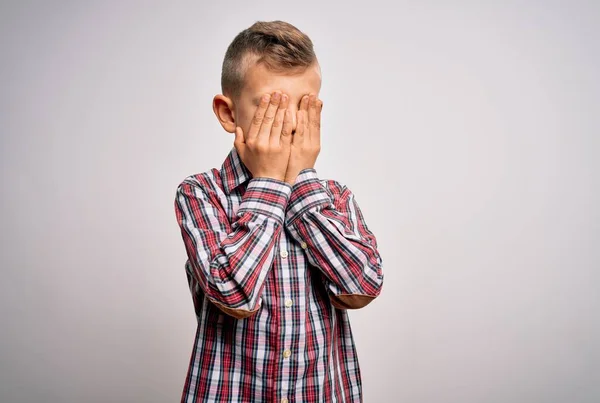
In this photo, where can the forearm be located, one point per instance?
(330, 226)
(231, 263)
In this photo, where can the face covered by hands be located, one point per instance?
(289, 123)
(274, 130)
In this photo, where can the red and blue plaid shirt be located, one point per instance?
(272, 269)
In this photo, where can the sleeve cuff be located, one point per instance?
(266, 196)
(307, 193)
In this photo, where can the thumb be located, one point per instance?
(239, 141)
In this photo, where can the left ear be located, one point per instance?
(223, 108)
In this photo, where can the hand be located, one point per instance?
(306, 143)
(265, 150)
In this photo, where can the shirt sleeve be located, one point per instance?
(329, 225)
(230, 262)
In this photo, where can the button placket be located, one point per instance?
(287, 298)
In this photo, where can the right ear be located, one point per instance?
(223, 108)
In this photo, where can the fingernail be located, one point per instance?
(266, 97)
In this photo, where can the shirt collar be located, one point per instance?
(233, 171)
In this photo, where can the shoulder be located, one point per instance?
(333, 186)
(201, 184)
(337, 191)
(207, 180)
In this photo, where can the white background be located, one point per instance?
(468, 131)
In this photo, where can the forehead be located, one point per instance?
(259, 80)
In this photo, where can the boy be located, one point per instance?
(275, 255)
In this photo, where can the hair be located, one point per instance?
(280, 46)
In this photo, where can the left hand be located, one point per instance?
(306, 142)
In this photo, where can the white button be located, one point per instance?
(304, 245)
(289, 302)
(284, 400)
(287, 353)
(283, 253)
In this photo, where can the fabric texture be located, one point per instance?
(272, 270)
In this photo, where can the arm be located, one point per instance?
(230, 262)
(330, 226)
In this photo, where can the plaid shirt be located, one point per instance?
(272, 270)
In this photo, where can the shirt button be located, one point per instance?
(287, 353)
(283, 253)
(284, 400)
(289, 302)
(304, 245)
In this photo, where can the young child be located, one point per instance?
(276, 255)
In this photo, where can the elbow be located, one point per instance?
(351, 301)
(237, 313)
(357, 300)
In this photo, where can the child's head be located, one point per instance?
(265, 57)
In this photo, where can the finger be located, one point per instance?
(317, 133)
(304, 103)
(302, 118)
(279, 117)
(314, 121)
(267, 122)
(258, 117)
(286, 130)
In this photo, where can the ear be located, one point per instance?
(223, 108)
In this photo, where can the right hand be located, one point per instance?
(265, 149)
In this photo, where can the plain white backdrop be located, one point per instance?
(468, 131)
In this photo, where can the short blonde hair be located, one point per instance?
(279, 45)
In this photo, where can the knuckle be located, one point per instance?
(267, 119)
(257, 119)
(277, 122)
(255, 145)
